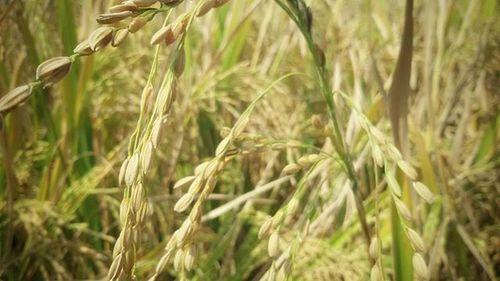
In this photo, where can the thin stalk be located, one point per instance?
(337, 137)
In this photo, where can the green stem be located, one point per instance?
(337, 137)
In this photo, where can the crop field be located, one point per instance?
(252, 140)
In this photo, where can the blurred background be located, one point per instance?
(62, 150)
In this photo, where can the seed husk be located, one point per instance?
(179, 260)
(137, 197)
(144, 3)
(375, 273)
(210, 184)
(123, 169)
(424, 192)
(132, 170)
(180, 26)
(114, 269)
(109, 18)
(180, 62)
(53, 70)
(126, 6)
(313, 158)
(218, 3)
(129, 261)
(240, 125)
(162, 34)
(196, 211)
(156, 132)
(185, 181)
(83, 49)
(205, 8)
(170, 36)
(377, 134)
(184, 202)
(100, 38)
(147, 156)
(222, 147)
(407, 169)
(119, 37)
(421, 270)
(377, 155)
(142, 213)
(184, 232)
(304, 161)
(293, 206)
(198, 170)
(196, 185)
(137, 24)
(392, 182)
(273, 247)
(291, 169)
(163, 261)
(403, 210)
(189, 258)
(117, 248)
(416, 240)
(171, 3)
(14, 98)
(123, 211)
(373, 249)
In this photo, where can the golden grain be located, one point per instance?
(113, 17)
(14, 98)
(416, 240)
(132, 170)
(83, 49)
(291, 169)
(205, 8)
(273, 247)
(161, 34)
(374, 249)
(185, 181)
(136, 24)
(119, 37)
(184, 202)
(424, 192)
(126, 6)
(147, 156)
(421, 270)
(100, 38)
(144, 3)
(53, 70)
